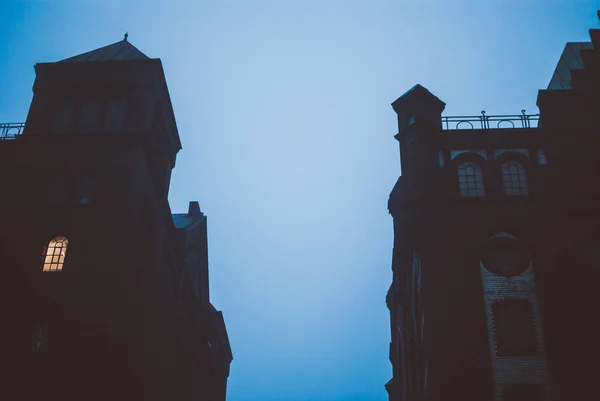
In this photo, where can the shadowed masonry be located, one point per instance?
(497, 245)
(107, 293)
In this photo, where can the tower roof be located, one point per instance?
(570, 60)
(122, 50)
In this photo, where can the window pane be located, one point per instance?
(470, 179)
(514, 179)
(54, 257)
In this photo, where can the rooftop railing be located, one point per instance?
(10, 130)
(522, 120)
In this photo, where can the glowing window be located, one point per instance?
(55, 254)
(470, 179)
(515, 179)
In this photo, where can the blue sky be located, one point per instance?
(284, 113)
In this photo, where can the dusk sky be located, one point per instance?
(283, 108)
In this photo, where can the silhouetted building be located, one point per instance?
(105, 292)
(497, 245)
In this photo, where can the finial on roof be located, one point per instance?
(125, 37)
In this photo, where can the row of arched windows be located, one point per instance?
(471, 184)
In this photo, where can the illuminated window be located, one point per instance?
(470, 179)
(55, 254)
(515, 179)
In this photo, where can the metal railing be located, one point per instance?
(522, 120)
(11, 130)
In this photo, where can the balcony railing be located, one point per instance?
(10, 130)
(522, 120)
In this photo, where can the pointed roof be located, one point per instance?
(420, 94)
(122, 50)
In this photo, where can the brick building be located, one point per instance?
(497, 245)
(105, 291)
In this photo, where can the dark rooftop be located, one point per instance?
(122, 50)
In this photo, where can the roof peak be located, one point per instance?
(122, 50)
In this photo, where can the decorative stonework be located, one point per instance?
(518, 285)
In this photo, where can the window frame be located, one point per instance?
(50, 265)
(522, 187)
(479, 190)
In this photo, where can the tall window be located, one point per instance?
(470, 179)
(514, 178)
(55, 254)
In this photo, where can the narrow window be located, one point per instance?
(441, 158)
(85, 189)
(114, 116)
(63, 117)
(541, 156)
(514, 328)
(55, 254)
(40, 338)
(90, 117)
(470, 179)
(411, 120)
(514, 179)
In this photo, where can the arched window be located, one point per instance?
(55, 254)
(470, 179)
(514, 179)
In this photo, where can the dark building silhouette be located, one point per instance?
(497, 245)
(105, 292)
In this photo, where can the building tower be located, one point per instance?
(105, 292)
(497, 245)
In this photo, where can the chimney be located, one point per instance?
(194, 209)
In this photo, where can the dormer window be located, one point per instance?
(514, 179)
(470, 180)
